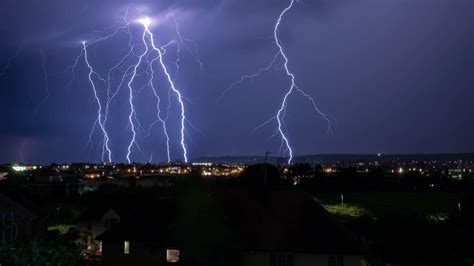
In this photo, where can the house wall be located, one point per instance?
(299, 259)
(110, 214)
(97, 227)
(140, 254)
(93, 228)
(23, 228)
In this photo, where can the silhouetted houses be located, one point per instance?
(18, 222)
(54, 186)
(231, 227)
(95, 221)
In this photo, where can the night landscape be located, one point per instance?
(236, 132)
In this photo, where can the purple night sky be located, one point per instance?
(398, 75)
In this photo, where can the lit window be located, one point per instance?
(172, 255)
(126, 247)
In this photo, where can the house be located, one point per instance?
(231, 227)
(96, 221)
(18, 222)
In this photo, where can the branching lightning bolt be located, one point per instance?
(131, 116)
(5, 68)
(158, 109)
(281, 112)
(129, 67)
(105, 144)
(146, 23)
(72, 69)
(45, 76)
(182, 41)
(251, 76)
(284, 103)
(22, 147)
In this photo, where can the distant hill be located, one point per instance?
(327, 158)
(238, 159)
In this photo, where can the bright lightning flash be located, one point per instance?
(129, 68)
(279, 117)
(146, 23)
(99, 110)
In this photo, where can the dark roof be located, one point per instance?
(96, 211)
(8, 205)
(147, 221)
(278, 220)
(288, 221)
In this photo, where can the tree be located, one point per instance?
(37, 253)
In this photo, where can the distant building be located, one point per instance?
(54, 185)
(231, 227)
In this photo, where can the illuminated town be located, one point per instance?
(116, 190)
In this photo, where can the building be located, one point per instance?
(54, 186)
(231, 227)
(18, 222)
(94, 222)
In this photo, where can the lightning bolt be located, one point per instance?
(129, 67)
(146, 22)
(251, 76)
(110, 95)
(45, 77)
(183, 40)
(71, 68)
(22, 147)
(132, 114)
(158, 109)
(293, 87)
(281, 111)
(9, 60)
(99, 120)
(284, 103)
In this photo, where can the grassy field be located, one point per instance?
(433, 205)
(63, 228)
